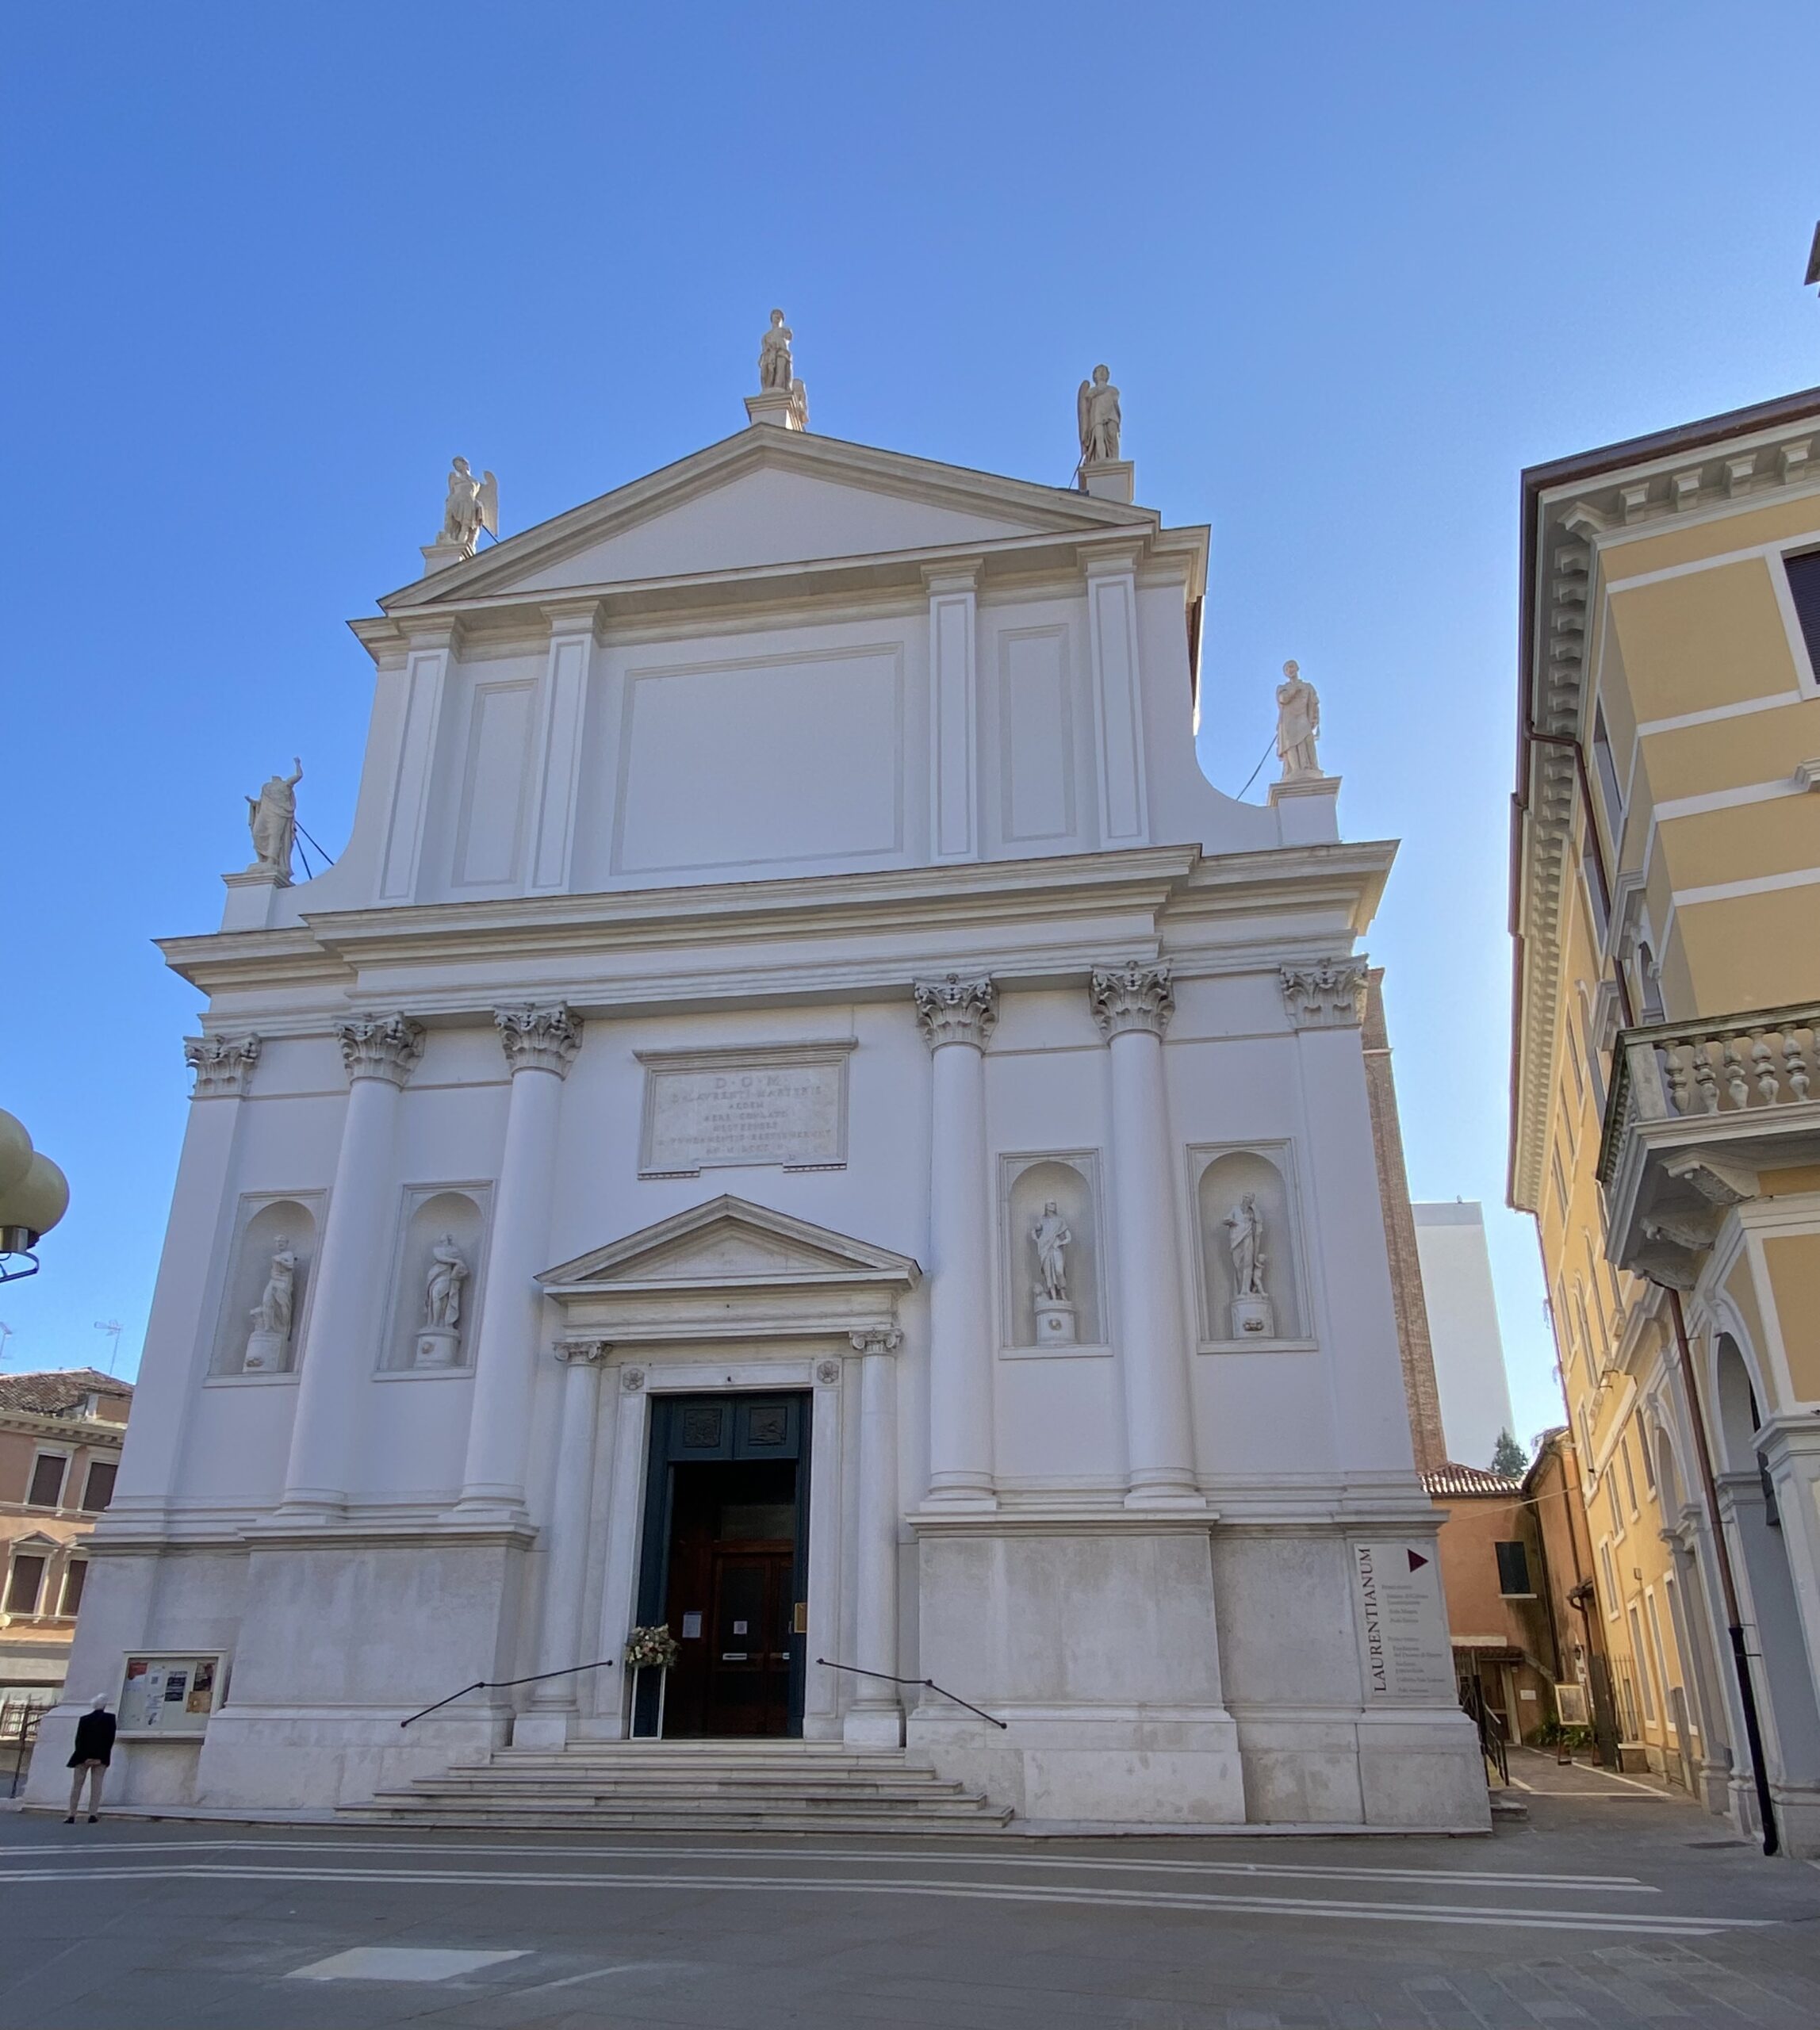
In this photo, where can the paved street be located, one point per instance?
(1616, 1906)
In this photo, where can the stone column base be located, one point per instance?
(873, 1726)
(547, 1728)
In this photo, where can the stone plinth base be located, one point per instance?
(1307, 809)
(546, 1729)
(785, 408)
(438, 1345)
(873, 1726)
(267, 1353)
(1054, 1322)
(1253, 1318)
(1108, 479)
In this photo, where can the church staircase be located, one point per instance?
(671, 1786)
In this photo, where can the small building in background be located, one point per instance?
(1466, 1346)
(60, 1434)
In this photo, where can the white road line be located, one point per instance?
(1665, 1926)
(1468, 1877)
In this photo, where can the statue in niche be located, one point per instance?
(1053, 1240)
(774, 366)
(1298, 722)
(442, 1294)
(1245, 1240)
(272, 819)
(273, 1312)
(472, 504)
(272, 1316)
(1097, 412)
(1253, 1315)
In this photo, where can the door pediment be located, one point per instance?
(730, 1269)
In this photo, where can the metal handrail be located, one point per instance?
(505, 1684)
(859, 1671)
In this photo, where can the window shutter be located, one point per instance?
(72, 1578)
(99, 1491)
(1804, 582)
(1513, 1568)
(47, 1480)
(22, 1594)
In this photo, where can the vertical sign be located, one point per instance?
(1403, 1644)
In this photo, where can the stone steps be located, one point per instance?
(718, 1787)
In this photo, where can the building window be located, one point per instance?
(1804, 582)
(1593, 874)
(1559, 1184)
(1626, 1699)
(1630, 1477)
(1612, 1503)
(1513, 1572)
(1611, 1572)
(22, 1589)
(72, 1578)
(47, 1480)
(1648, 1466)
(1605, 767)
(99, 1491)
(1644, 1680)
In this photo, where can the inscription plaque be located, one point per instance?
(784, 1105)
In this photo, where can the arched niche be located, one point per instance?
(265, 1227)
(1070, 1182)
(1226, 1178)
(1739, 1411)
(431, 1213)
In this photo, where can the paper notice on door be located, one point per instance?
(739, 1628)
(691, 1628)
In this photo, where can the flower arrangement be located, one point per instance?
(651, 1648)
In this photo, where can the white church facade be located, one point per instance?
(799, 1117)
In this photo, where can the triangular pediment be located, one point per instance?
(729, 1242)
(766, 498)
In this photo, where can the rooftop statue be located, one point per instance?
(1097, 412)
(272, 818)
(775, 365)
(472, 504)
(1298, 722)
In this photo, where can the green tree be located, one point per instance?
(1508, 1457)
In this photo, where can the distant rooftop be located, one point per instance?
(1454, 1479)
(1449, 1212)
(61, 1392)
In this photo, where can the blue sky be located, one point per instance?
(1353, 268)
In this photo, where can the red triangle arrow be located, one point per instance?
(1417, 1560)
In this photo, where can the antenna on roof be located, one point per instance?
(1814, 259)
(113, 1328)
(5, 1334)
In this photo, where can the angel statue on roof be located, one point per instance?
(472, 504)
(1096, 411)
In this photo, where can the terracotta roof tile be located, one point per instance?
(61, 1392)
(1454, 1479)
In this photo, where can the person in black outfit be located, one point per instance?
(93, 1751)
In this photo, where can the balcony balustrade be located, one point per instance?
(1697, 1112)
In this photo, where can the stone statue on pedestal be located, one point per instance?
(472, 504)
(438, 1339)
(1298, 722)
(269, 1340)
(1055, 1310)
(272, 819)
(775, 370)
(1052, 1239)
(1252, 1315)
(1097, 413)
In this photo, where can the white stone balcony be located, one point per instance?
(1699, 1111)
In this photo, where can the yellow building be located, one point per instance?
(1665, 1123)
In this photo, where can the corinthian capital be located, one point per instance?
(222, 1065)
(538, 1039)
(1132, 997)
(1328, 995)
(380, 1046)
(956, 1011)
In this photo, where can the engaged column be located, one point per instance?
(957, 1016)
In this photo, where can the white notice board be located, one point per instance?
(1403, 1645)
